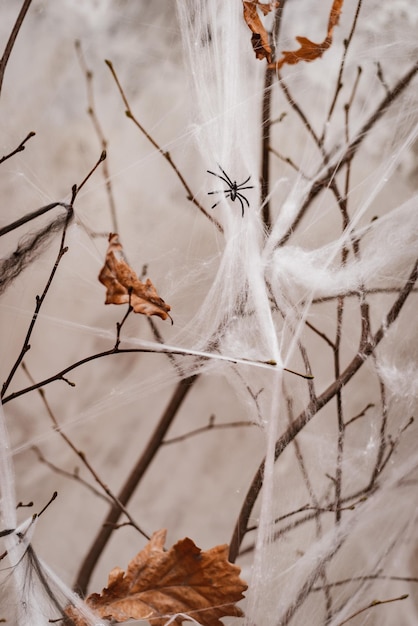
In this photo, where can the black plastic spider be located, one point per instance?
(234, 189)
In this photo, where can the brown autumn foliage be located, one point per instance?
(309, 50)
(124, 287)
(158, 584)
(259, 37)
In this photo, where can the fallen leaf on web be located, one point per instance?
(159, 584)
(309, 50)
(124, 287)
(259, 38)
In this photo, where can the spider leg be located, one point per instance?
(241, 202)
(227, 195)
(245, 181)
(230, 183)
(239, 188)
(240, 195)
(210, 193)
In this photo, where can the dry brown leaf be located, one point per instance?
(309, 50)
(159, 584)
(259, 38)
(124, 287)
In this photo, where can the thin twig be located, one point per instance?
(12, 39)
(298, 109)
(381, 77)
(114, 500)
(211, 425)
(356, 293)
(164, 153)
(19, 148)
(33, 215)
(91, 110)
(306, 587)
(314, 407)
(314, 500)
(324, 181)
(347, 581)
(362, 413)
(320, 334)
(289, 161)
(71, 475)
(116, 351)
(371, 605)
(339, 83)
(382, 435)
(39, 301)
(61, 251)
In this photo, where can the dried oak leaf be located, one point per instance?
(159, 584)
(259, 37)
(124, 287)
(309, 50)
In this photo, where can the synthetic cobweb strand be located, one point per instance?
(224, 103)
(388, 536)
(236, 311)
(29, 583)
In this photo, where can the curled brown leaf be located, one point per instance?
(259, 37)
(182, 582)
(124, 287)
(309, 50)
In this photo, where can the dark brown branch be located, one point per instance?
(265, 143)
(338, 398)
(116, 350)
(314, 407)
(33, 215)
(267, 122)
(12, 39)
(138, 471)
